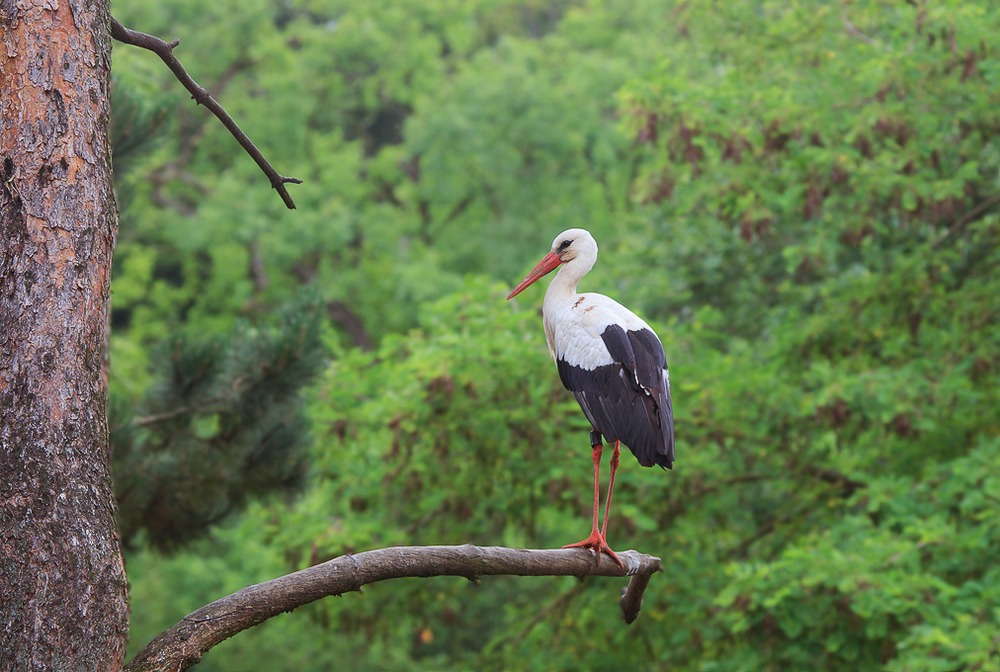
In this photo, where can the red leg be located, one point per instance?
(611, 486)
(596, 451)
(596, 540)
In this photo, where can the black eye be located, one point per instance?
(564, 245)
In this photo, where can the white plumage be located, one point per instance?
(573, 326)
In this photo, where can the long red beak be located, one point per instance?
(543, 267)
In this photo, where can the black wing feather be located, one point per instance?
(628, 400)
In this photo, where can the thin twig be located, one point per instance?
(165, 50)
(855, 32)
(147, 420)
(558, 604)
(183, 644)
(966, 219)
(761, 532)
(836, 478)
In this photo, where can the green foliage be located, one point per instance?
(900, 565)
(795, 136)
(223, 426)
(803, 198)
(444, 408)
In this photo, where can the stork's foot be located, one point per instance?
(598, 545)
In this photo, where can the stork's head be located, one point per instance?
(575, 243)
(574, 247)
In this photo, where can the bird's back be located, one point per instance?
(616, 368)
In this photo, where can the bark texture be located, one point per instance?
(63, 599)
(182, 646)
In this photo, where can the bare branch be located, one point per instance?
(165, 50)
(631, 601)
(183, 644)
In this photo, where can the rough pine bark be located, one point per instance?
(63, 601)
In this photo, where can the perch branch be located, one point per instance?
(183, 644)
(165, 50)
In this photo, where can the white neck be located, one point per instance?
(567, 278)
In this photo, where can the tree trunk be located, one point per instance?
(63, 596)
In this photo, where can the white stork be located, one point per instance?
(612, 362)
